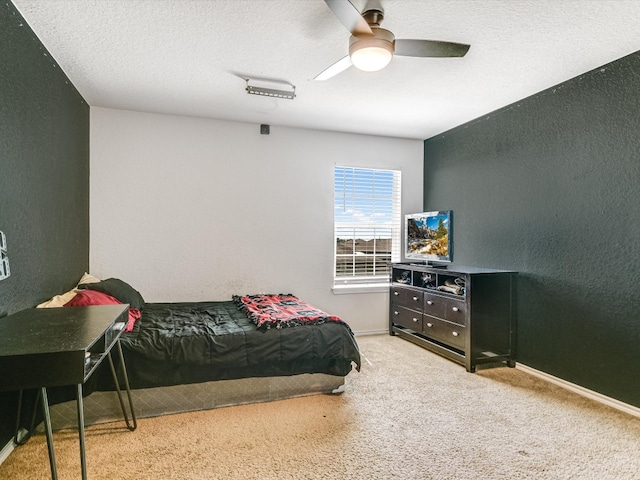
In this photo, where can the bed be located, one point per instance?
(181, 343)
(197, 355)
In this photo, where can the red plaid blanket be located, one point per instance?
(281, 310)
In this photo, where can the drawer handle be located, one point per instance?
(455, 309)
(396, 293)
(415, 319)
(396, 313)
(429, 324)
(429, 302)
(415, 299)
(455, 334)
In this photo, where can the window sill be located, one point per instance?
(360, 288)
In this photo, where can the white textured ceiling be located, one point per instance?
(186, 57)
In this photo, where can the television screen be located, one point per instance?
(428, 236)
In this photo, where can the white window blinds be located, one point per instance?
(366, 224)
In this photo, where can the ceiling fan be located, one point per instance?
(371, 48)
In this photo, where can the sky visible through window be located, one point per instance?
(363, 198)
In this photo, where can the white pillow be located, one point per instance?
(88, 278)
(60, 300)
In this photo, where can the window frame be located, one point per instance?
(358, 283)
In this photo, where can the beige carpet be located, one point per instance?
(409, 414)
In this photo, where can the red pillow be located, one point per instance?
(93, 297)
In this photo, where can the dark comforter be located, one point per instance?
(177, 343)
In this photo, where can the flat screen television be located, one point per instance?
(428, 237)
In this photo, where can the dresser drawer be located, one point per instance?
(406, 317)
(434, 305)
(446, 332)
(456, 311)
(406, 297)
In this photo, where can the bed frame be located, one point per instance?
(103, 407)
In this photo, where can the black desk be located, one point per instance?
(49, 347)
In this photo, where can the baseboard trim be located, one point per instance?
(585, 392)
(6, 450)
(11, 445)
(364, 333)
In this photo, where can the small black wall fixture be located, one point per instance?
(264, 129)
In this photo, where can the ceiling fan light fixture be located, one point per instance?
(372, 53)
(371, 47)
(371, 59)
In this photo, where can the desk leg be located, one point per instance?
(16, 438)
(83, 454)
(131, 426)
(49, 432)
(21, 440)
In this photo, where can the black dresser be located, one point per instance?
(466, 314)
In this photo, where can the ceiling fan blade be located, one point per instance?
(340, 66)
(429, 48)
(349, 16)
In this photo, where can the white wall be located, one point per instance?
(191, 209)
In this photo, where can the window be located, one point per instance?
(366, 225)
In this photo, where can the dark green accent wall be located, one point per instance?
(44, 177)
(550, 187)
